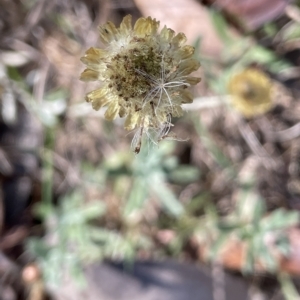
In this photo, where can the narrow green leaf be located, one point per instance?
(221, 26)
(287, 286)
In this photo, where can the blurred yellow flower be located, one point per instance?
(144, 75)
(251, 92)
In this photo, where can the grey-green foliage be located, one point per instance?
(72, 242)
(185, 224)
(264, 234)
(288, 288)
(221, 27)
(151, 170)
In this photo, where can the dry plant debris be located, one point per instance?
(180, 199)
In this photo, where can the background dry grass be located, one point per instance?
(73, 193)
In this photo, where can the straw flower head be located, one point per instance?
(251, 92)
(145, 76)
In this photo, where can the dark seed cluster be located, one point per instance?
(128, 83)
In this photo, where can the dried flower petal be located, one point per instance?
(112, 111)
